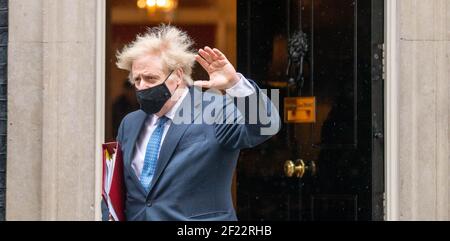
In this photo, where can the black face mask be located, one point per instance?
(153, 99)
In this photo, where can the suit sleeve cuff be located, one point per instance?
(242, 88)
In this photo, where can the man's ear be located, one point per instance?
(180, 74)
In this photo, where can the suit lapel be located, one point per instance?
(139, 123)
(176, 131)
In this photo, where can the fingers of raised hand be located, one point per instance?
(205, 55)
(202, 62)
(219, 54)
(213, 55)
(219, 64)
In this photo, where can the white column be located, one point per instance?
(57, 164)
(25, 101)
(424, 73)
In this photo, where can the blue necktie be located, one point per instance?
(151, 154)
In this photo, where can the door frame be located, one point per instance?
(100, 68)
(391, 112)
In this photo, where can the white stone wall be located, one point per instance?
(424, 77)
(52, 116)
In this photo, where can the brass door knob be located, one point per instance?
(299, 168)
(296, 169)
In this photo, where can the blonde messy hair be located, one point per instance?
(170, 43)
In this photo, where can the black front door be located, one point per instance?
(326, 54)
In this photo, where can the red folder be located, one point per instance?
(113, 187)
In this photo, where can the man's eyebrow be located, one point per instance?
(146, 75)
(150, 74)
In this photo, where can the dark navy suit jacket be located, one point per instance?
(197, 159)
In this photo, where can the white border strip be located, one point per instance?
(391, 112)
(99, 102)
